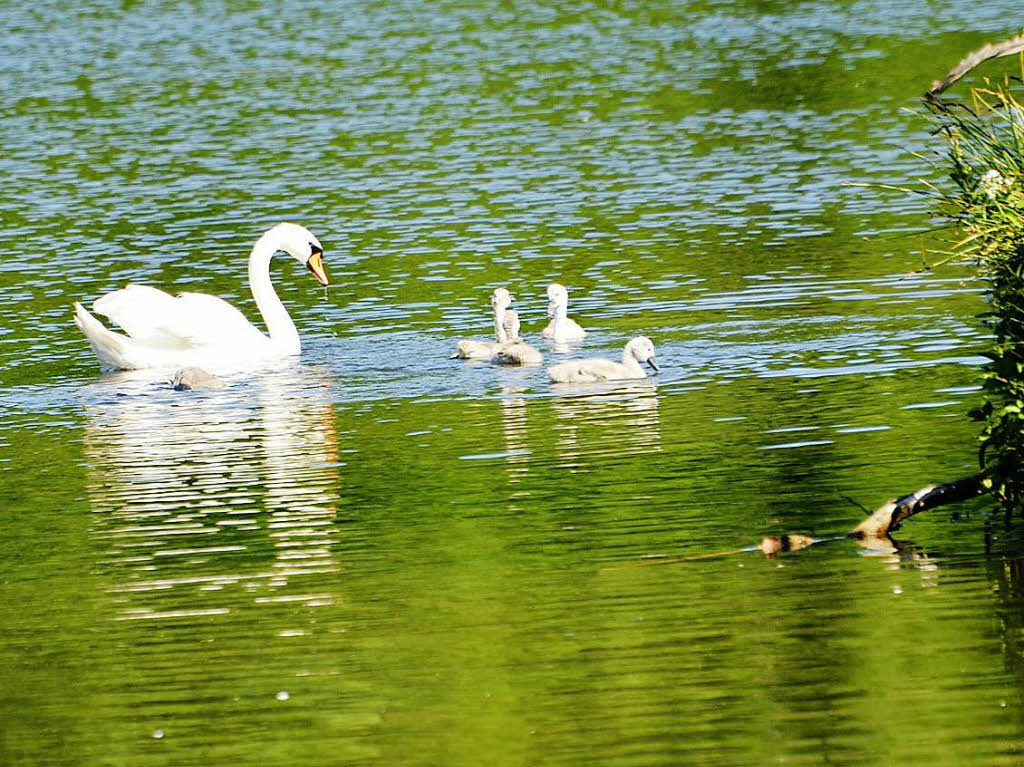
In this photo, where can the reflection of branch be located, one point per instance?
(990, 51)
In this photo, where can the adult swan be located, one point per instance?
(166, 331)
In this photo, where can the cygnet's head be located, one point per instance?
(558, 296)
(642, 349)
(501, 299)
(302, 245)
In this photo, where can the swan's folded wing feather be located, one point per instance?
(590, 370)
(144, 313)
(185, 321)
(603, 369)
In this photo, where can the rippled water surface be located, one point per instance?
(379, 555)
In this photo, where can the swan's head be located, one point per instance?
(558, 298)
(642, 349)
(501, 299)
(302, 245)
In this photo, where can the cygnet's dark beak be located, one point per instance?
(653, 364)
(315, 264)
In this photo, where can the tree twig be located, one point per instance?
(983, 54)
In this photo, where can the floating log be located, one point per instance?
(887, 518)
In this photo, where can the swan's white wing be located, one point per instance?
(144, 313)
(215, 321)
(190, 320)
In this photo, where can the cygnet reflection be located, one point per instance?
(514, 428)
(606, 420)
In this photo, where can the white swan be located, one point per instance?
(516, 351)
(468, 349)
(196, 329)
(639, 349)
(561, 328)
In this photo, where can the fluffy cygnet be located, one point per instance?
(516, 351)
(190, 378)
(468, 349)
(561, 328)
(639, 349)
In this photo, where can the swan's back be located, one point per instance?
(469, 349)
(164, 330)
(186, 321)
(591, 371)
(517, 353)
(561, 330)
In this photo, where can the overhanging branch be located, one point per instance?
(983, 54)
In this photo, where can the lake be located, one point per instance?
(379, 555)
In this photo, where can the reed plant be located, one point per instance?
(982, 197)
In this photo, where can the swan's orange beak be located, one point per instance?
(315, 264)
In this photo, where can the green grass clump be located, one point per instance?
(984, 162)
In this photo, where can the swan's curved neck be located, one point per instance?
(631, 362)
(279, 325)
(561, 313)
(499, 325)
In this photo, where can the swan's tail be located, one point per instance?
(110, 347)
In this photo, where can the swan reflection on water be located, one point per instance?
(617, 418)
(594, 421)
(195, 493)
(514, 427)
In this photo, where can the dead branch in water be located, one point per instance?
(990, 51)
(873, 532)
(888, 517)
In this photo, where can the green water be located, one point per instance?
(379, 555)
